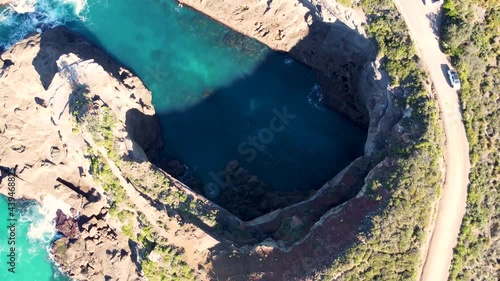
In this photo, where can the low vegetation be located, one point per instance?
(391, 240)
(160, 261)
(153, 183)
(471, 37)
(166, 259)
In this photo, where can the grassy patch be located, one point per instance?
(167, 265)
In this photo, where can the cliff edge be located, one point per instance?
(41, 79)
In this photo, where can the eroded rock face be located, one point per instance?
(4, 2)
(96, 248)
(39, 80)
(247, 197)
(307, 236)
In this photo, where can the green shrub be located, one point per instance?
(391, 245)
(469, 39)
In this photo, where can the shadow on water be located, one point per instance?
(143, 129)
(262, 143)
(219, 131)
(339, 74)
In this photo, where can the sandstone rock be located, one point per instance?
(101, 224)
(104, 211)
(92, 232)
(53, 150)
(67, 226)
(43, 103)
(91, 223)
(90, 245)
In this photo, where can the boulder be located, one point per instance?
(67, 226)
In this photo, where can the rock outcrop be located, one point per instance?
(4, 2)
(39, 79)
(67, 225)
(91, 249)
(247, 197)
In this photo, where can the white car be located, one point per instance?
(454, 80)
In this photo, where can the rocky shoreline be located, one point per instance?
(51, 162)
(57, 66)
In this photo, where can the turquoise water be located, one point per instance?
(35, 232)
(217, 93)
(213, 89)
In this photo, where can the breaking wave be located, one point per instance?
(41, 219)
(25, 16)
(36, 231)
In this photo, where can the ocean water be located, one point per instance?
(34, 234)
(220, 96)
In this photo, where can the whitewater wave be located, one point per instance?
(80, 5)
(23, 6)
(315, 97)
(179, 7)
(41, 218)
(22, 17)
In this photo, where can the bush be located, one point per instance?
(469, 40)
(391, 244)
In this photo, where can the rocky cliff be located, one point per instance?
(39, 79)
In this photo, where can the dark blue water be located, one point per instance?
(271, 122)
(219, 96)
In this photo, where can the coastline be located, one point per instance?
(366, 87)
(53, 160)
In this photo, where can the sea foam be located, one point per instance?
(25, 16)
(41, 218)
(23, 6)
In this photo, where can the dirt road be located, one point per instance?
(453, 202)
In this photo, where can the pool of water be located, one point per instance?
(271, 122)
(220, 96)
